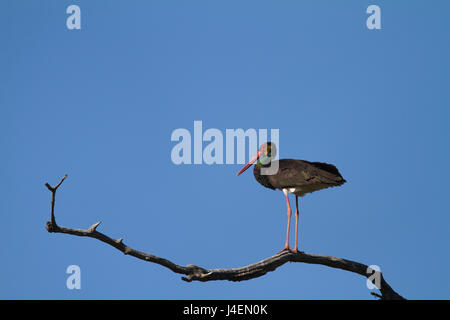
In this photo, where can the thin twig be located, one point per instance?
(53, 190)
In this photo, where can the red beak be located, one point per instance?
(252, 160)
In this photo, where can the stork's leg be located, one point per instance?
(296, 224)
(286, 246)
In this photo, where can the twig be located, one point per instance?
(196, 273)
(53, 190)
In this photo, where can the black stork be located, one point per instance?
(293, 176)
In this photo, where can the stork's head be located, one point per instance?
(264, 156)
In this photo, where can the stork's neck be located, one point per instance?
(264, 161)
(262, 179)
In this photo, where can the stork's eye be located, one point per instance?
(268, 150)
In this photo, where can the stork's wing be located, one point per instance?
(328, 173)
(300, 173)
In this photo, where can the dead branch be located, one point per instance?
(196, 273)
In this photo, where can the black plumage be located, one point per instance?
(304, 176)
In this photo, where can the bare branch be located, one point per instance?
(196, 273)
(53, 191)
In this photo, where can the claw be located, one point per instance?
(285, 249)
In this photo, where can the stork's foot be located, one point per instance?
(285, 249)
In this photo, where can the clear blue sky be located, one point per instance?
(100, 104)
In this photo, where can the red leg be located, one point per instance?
(296, 224)
(286, 246)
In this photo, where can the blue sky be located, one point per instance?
(100, 104)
